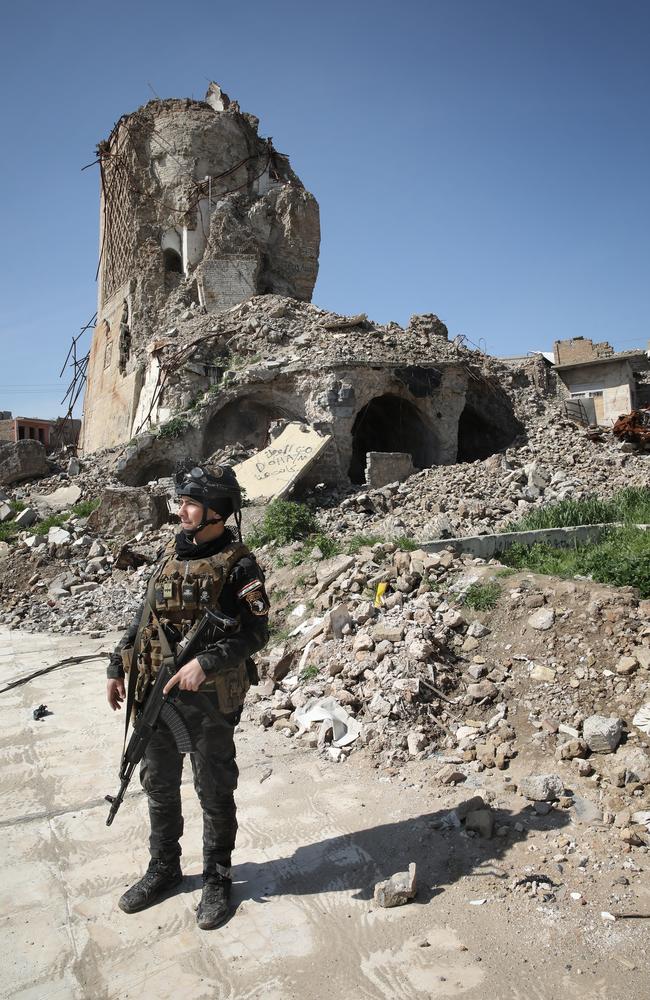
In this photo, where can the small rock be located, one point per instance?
(481, 821)
(542, 620)
(397, 890)
(541, 787)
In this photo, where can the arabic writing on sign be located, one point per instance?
(274, 461)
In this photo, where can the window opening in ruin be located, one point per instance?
(41, 435)
(390, 423)
(31, 433)
(125, 339)
(21, 433)
(173, 261)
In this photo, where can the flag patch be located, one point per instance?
(249, 587)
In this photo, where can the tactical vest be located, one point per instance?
(182, 590)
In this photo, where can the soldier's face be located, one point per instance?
(190, 513)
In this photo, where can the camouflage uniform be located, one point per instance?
(222, 574)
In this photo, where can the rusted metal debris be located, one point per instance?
(634, 427)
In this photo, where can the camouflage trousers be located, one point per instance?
(215, 779)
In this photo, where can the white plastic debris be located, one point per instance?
(607, 916)
(345, 729)
(477, 902)
(642, 719)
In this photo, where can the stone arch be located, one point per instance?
(487, 423)
(390, 423)
(245, 421)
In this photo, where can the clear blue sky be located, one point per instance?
(486, 160)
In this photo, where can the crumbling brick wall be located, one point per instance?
(580, 350)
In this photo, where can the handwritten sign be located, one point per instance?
(275, 469)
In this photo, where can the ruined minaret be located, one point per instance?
(196, 209)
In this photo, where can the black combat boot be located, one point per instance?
(214, 908)
(158, 879)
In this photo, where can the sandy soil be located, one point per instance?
(314, 839)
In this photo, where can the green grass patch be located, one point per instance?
(482, 596)
(407, 544)
(327, 546)
(8, 531)
(309, 673)
(630, 506)
(621, 558)
(174, 428)
(358, 542)
(284, 521)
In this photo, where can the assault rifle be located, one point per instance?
(160, 707)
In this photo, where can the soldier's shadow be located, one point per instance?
(357, 861)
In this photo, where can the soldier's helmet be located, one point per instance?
(216, 488)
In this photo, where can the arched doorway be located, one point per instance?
(390, 423)
(243, 421)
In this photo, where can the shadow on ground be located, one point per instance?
(357, 861)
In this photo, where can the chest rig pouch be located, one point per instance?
(182, 591)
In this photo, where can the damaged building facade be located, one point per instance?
(206, 338)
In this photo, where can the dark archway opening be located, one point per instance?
(390, 423)
(245, 422)
(173, 261)
(478, 437)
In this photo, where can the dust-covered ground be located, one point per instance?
(315, 837)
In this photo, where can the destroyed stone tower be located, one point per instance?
(197, 213)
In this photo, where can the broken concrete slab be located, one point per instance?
(126, 510)
(274, 470)
(22, 460)
(61, 499)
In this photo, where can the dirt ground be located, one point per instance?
(314, 838)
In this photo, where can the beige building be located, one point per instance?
(604, 381)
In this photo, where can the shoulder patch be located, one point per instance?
(257, 603)
(249, 587)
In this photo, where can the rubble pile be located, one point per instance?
(557, 462)
(556, 672)
(268, 334)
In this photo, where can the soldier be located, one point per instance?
(205, 566)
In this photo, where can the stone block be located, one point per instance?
(59, 500)
(602, 734)
(125, 510)
(328, 570)
(541, 787)
(383, 467)
(482, 689)
(6, 513)
(58, 536)
(22, 460)
(26, 517)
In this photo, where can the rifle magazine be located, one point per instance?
(173, 718)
